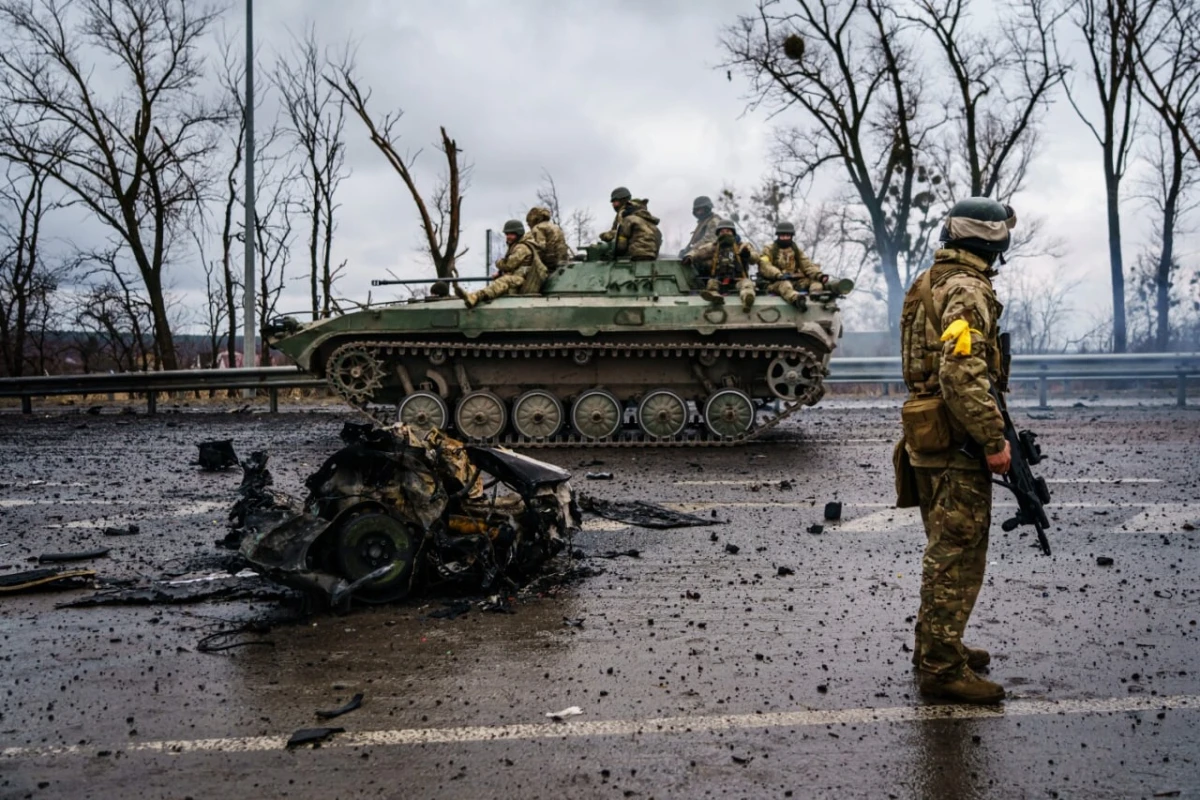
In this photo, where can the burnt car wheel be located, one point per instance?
(370, 540)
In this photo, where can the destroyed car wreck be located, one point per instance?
(397, 509)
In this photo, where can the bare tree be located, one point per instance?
(135, 157)
(216, 313)
(28, 280)
(1110, 29)
(316, 117)
(1037, 311)
(547, 195)
(850, 68)
(274, 215)
(580, 227)
(441, 236)
(1169, 57)
(1002, 78)
(1169, 82)
(113, 310)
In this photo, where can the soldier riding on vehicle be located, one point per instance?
(634, 234)
(521, 269)
(547, 238)
(724, 262)
(706, 224)
(783, 257)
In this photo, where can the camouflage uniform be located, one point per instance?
(635, 234)
(954, 490)
(705, 232)
(723, 264)
(547, 237)
(521, 272)
(779, 260)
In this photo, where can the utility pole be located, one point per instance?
(249, 337)
(487, 265)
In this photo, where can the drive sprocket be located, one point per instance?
(354, 372)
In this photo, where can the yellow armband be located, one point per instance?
(960, 330)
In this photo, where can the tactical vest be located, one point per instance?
(921, 331)
(784, 259)
(726, 264)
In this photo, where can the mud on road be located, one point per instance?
(750, 658)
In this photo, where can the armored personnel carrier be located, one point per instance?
(610, 353)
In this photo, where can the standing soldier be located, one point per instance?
(784, 257)
(634, 234)
(706, 224)
(723, 261)
(949, 339)
(521, 269)
(547, 238)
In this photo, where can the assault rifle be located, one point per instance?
(835, 287)
(1031, 491)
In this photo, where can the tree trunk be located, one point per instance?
(1116, 262)
(314, 235)
(164, 343)
(1166, 258)
(890, 265)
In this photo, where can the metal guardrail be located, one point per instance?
(1043, 369)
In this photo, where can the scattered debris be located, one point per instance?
(599, 476)
(243, 586)
(573, 623)
(1104, 561)
(128, 530)
(43, 579)
(783, 572)
(833, 511)
(396, 508)
(313, 736)
(227, 640)
(816, 528)
(732, 549)
(451, 610)
(82, 555)
(353, 705)
(559, 716)
(217, 455)
(643, 514)
(630, 553)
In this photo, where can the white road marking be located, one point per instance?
(1164, 517)
(1104, 480)
(748, 482)
(886, 520)
(768, 481)
(18, 503)
(805, 718)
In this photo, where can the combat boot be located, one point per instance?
(977, 657)
(713, 296)
(747, 302)
(800, 302)
(966, 688)
(469, 298)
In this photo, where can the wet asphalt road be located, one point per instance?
(699, 672)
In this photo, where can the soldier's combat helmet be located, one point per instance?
(724, 224)
(785, 227)
(514, 226)
(620, 193)
(702, 202)
(979, 223)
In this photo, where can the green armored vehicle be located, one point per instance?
(609, 353)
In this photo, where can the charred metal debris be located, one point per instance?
(396, 510)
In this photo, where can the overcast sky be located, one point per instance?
(623, 92)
